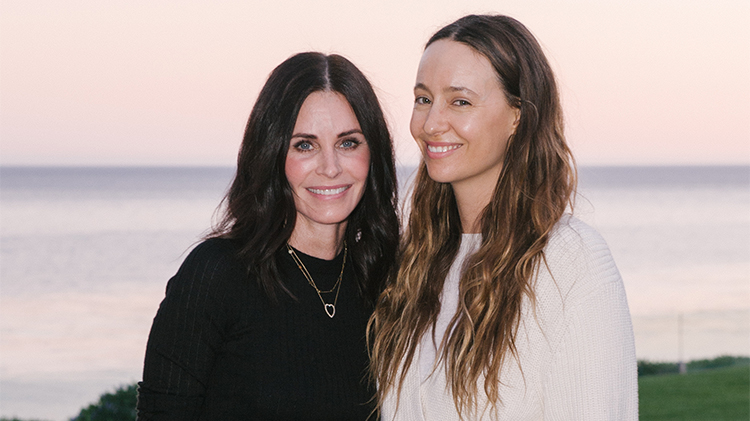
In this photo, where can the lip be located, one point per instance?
(329, 192)
(437, 150)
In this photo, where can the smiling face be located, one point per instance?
(327, 163)
(461, 120)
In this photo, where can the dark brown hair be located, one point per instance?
(259, 208)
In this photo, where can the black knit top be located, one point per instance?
(220, 350)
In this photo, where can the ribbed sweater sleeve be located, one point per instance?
(592, 375)
(187, 331)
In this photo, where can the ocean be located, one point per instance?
(85, 254)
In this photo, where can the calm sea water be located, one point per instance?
(85, 254)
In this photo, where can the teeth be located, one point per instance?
(438, 149)
(328, 192)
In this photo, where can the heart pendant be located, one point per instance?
(330, 310)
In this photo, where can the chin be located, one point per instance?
(332, 219)
(440, 175)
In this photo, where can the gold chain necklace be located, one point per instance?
(330, 309)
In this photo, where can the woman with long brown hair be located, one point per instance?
(504, 305)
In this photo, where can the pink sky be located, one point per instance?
(171, 83)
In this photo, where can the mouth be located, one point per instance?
(441, 149)
(328, 191)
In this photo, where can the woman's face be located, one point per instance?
(327, 162)
(461, 119)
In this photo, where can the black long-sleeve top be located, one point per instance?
(219, 349)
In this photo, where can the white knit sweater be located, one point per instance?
(576, 354)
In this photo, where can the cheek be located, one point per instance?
(295, 170)
(416, 124)
(362, 165)
(471, 130)
(483, 131)
(467, 127)
(357, 167)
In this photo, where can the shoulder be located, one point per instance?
(573, 235)
(215, 248)
(213, 251)
(577, 257)
(576, 243)
(215, 260)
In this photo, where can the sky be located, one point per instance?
(135, 82)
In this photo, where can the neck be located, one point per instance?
(471, 201)
(321, 242)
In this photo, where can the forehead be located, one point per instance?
(450, 63)
(326, 109)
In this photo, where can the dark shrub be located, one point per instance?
(647, 368)
(117, 406)
(718, 362)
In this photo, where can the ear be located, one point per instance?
(516, 120)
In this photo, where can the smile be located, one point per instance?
(440, 149)
(328, 192)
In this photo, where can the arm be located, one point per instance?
(185, 337)
(593, 374)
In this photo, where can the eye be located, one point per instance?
(349, 143)
(303, 146)
(421, 100)
(461, 102)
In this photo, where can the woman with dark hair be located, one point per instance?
(504, 306)
(266, 318)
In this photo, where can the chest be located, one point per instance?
(290, 360)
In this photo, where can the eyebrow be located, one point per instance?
(352, 131)
(448, 89)
(342, 134)
(420, 86)
(460, 89)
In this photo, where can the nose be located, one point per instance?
(435, 122)
(328, 163)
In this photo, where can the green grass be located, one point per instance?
(716, 390)
(716, 394)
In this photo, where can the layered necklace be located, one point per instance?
(330, 309)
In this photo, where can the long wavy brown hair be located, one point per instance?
(534, 189)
